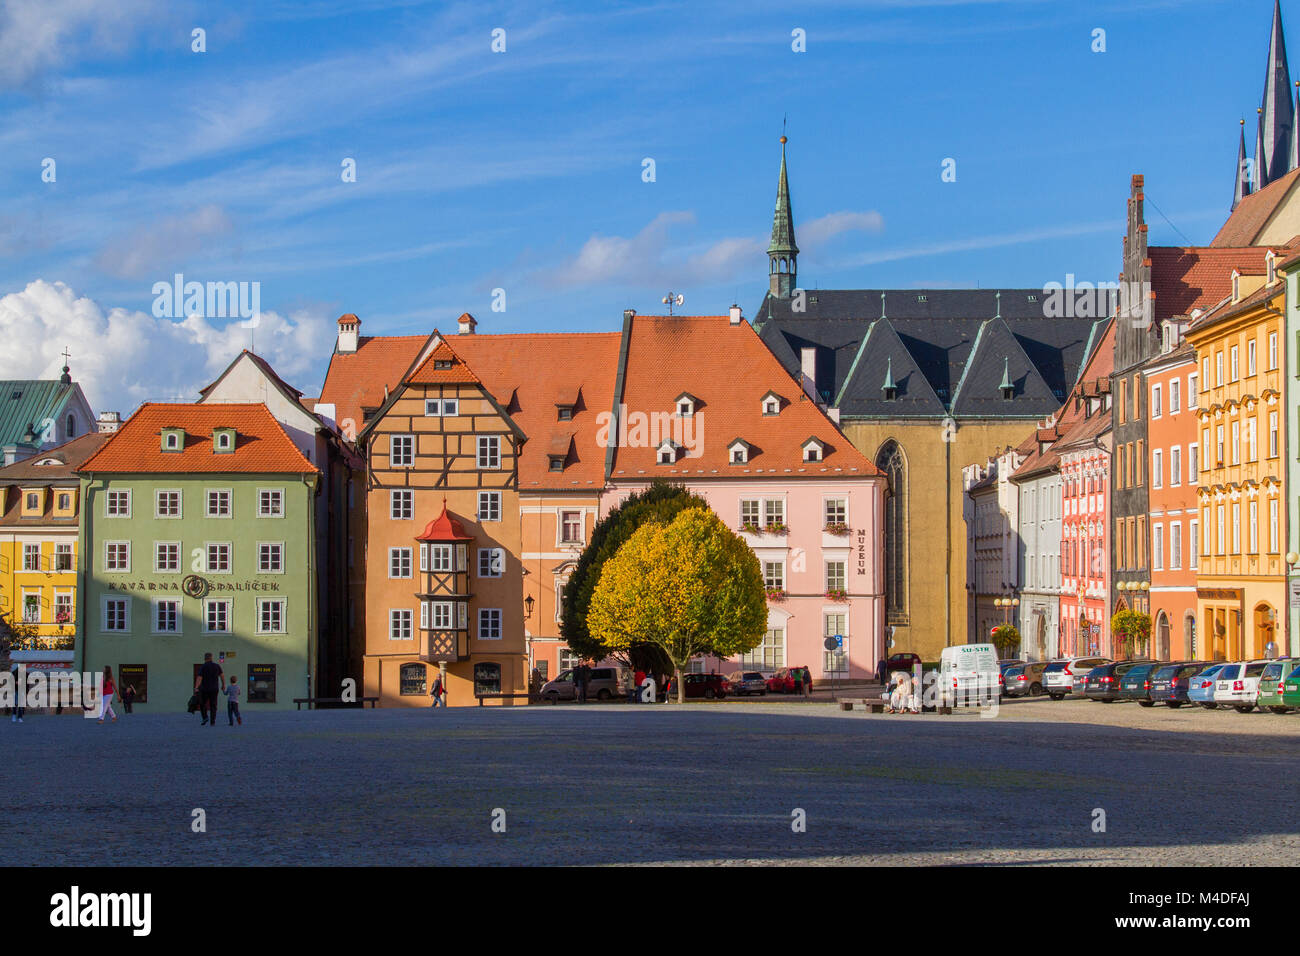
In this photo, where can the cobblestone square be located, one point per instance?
(621, 784)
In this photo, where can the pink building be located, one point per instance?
(770, 463)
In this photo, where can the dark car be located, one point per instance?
(902, 662)
(745, 683)
(1102, 682)
(1169, 682)
(1003, 667)
(1136, 684)
(1024, 680)
(707, 686)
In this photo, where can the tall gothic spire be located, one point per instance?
(1277, 111)
(1241, 188)
(782, 253)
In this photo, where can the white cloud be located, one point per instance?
(37, 36)
(123, 357)
(827, 227)
(149, 249)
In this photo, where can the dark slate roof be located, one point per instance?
(938, 329)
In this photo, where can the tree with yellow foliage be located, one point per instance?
(690, 587)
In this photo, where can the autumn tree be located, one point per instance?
(1006, 638)
(660, 502)
(1131, 630)
(688, 587)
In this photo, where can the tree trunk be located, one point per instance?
(681, 687)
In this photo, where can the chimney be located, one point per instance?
(349, 332)
(628, 314)
(108, 422)
(808, 363)
(735, 314)
(465, 324)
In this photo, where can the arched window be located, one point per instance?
(487, 678)
(890, 460)
(1162, 637)
(412, 680)
(71, 430)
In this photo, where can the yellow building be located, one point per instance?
(40, 554)
(1241, 581)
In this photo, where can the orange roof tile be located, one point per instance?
(357, 380)
(729, 369)
(1253, 213)
(1187, 278)
(261, 444)
(443, 366)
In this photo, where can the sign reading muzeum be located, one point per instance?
(198, 529)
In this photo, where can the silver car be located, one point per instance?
(1064, 678)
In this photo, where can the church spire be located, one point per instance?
(782, 253)
(1241, 188)
(1276, 111)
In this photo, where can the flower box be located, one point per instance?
(775, 595)
(837, 594)
(777, 527)
(841, 530)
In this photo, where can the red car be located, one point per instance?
(782, 682)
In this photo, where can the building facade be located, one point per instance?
(995, 550)
(197, 526)
(1291, 442)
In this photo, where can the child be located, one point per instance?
(232, 702)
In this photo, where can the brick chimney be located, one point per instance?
(465, 324)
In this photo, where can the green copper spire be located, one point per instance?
(889, 385)
(1006, 385)
(782, 253)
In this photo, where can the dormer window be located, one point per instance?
(1271, 262)
(813, 450)
(771, 404)
(223, 440)
(442, 365)
(557, 462)
(667, 453)
(685, 404)
(738, 452)
(1236, 287)
(565, 413)
(173, 439)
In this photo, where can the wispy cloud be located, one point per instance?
(149, 248)
(975, 243)
(41, 36)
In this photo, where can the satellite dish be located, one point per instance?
(681, 299)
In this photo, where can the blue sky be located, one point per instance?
(522, 170)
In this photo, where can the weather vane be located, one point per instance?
(673, 298)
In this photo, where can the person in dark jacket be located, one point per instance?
(882, 672)
(210, 682)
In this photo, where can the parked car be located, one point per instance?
(1200, 689)
(1003, 667)
(1272, 682)
(902, 662)
(707, 686)
(1237, 685)
(782, 682)
(747, 683)
(1135, 684)
(605, 683)
(1291, 689)
(1170, 682)
(1105, 682)
(1065, 677)
(1024, 680)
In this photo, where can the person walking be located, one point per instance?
(882, 673)
(128, 695)
(211, 680)
(797, 674)
(109, 689)
(20, 698)
(807, 682)
(438, 692)
(232, 702)
(580, 675)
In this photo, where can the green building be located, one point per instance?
(198, 530)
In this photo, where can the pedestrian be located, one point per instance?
(437, 693)
(797, 674)
(807, 682)
(106, 703)
(210, 681)
(20, 699)
(580, 680)
(232, 702)
(637, 683)
(882, 672)
(128, 695)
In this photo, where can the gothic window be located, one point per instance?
(890, 460)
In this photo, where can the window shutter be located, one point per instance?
(461, 623)
(424, 614)
(461, 552)
(424, 557)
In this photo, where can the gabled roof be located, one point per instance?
(429, 373)
(1255, 212)
(996, 357)
(261, 444)
(291, 393)
(68, 456)
(938, 328)
(358, 380)
(701, 354)
(880, 354)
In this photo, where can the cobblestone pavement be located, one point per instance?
(708, 782)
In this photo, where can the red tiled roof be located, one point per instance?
(261, 444)
(1184, 278)
(728, 369)
(429, 372)
(444, 528)
(540, 371)
(357, 380)
(1253, 213)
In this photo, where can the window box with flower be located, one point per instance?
(838, 528)
(776, 527)
(837, 594)
(775, 594)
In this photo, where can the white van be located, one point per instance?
(968, 674)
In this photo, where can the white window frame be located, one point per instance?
(261, 566)
(157, 564)
(406, 496)
(230, 556)
(207, 503)
(1175, 466)
(283, 610)
(490, 497)
(1157, 468)
(1175, 396)
(488, 452)
(279, 497)
(489, 620)
(108, 545)
(177, 611)
(400, 559)
(401, 450)
(1252, 526)
(208, 605)
(489, 558)
(157, 504)
(104, 603)
(115, 495)
(401, 624)
(1175, 546)
(1157, 404)
(1194, 544)
(560, 526)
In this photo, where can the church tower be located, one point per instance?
(1276, 112)
(782, 253)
